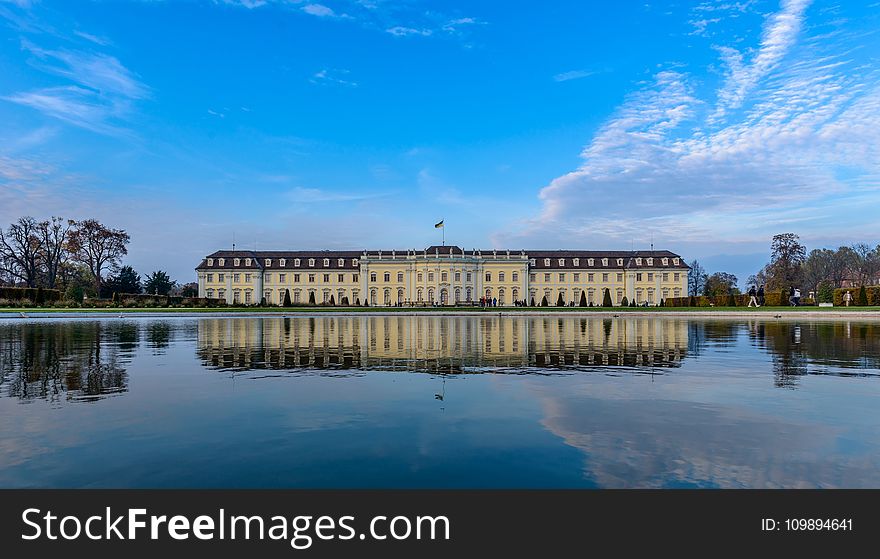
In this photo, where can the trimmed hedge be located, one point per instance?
(36, 295)
(872, 296)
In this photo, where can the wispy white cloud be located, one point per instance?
(102, 41)
(401, 31)
(800, 138)
(333, 76)
(319, 10)
(302, 195)
(100, 97)
(573, 75)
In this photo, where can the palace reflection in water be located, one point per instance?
(493, 401)
(441, 344)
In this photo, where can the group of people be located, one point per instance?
(756, 296)
(488, 302)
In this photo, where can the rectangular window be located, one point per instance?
(236, 278)
(650, 276)
(221, 277)
(221, 294)
(468, 276)
(444, 276)
(500, 276)
(605, 278)
(430, 276)
(420, 277)
(282, 278)
(639, 276)
(295, 278)
(547, 277)
(268, 278)
(532, 278)
(457, 276)
(296, 296)
(311, 278)
(326, 278)
(354, 278)
(515, 276)
(210, 261)
(577, 277)
(677, 277)
(340, 278)
(282, 262)
(619, 277)
(665, 276)
(561, 277)
(488, 276)
(210, 278)
(590, 277)
(247, 297)
(296, 262)
(247, 278)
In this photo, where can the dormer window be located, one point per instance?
(532, 262)
(296, 262)
(675, 261)
(562, 261)
(282, 262)
(268, 262)
(311, 262)
(547, 262)
(650, 261)
(221, 262)
(326, 262)
(620, 261)
(354, 262)
(247, 261)
(575, 262)
(210, 261)
(236, 262)
(590, 261)
(604, 262)
(638, 261)
(341, 262)
(665, 261)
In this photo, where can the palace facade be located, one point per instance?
(441, 275)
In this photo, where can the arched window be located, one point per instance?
(373, 297)
(468, 295)
(489, 293)
(430, 295)
(419, 297)
(311, 262)
(400, 296)
(501, 296)
(458, 295)
(387, 297)
(444, 296)
(515, 294)
(326, 262)
(236, 262)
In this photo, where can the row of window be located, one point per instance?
(592, 261)
(282, 262)
(576, 277)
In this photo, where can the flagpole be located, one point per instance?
(443, 221)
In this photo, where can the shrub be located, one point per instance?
(826, 292)
(731, 300)
(624, 302)
(606, 299)
(559, 301)
(311, 297)
(583, 301)
(544, 302)
(862, 298)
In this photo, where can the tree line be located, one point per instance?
(79, 258)
(790, 265)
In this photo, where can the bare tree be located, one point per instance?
(53, 236)
(20, 249)
(866, 263)
(787, 255)
(696, 278)
(97, 247)
(842, 264)
(817, 267)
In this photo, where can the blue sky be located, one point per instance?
(706, 126)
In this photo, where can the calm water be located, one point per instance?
(428, 401)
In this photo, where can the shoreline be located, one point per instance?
(772, 313)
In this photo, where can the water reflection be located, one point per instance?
(68, 361)
(442, 344)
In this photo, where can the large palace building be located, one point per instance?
(441, 275)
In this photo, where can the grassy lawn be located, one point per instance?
(320, 309)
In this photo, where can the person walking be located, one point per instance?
(847, 298)
(791, 296)
(753, 297)
(761, 295)
(797, 297)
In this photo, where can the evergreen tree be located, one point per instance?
(583, 302)
(862, 299)
(533, 301)
(826, 292)
(312, 297)
(559, 301)
(332, 301)
(625, 302)
(287, 302)
(606, 299)
(158, 283)
(544, 302)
